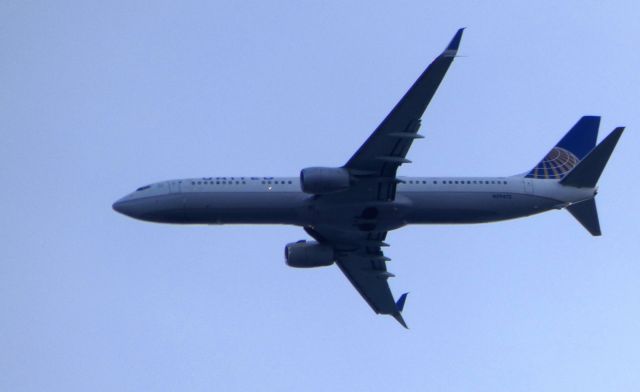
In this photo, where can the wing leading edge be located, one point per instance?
(367, 272)
(377, 161)
(360, 258)
(373, 168)
(388, 145)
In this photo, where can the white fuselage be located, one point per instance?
(419, 200)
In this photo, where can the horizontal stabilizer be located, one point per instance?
(587, 214)
(587, 173)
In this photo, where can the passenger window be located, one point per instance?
(289, 182)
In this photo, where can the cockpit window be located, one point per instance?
(142, 188)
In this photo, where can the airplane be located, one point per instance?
(349, 210)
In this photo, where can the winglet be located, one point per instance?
(400, 302)
(452, 48)
(399, 306)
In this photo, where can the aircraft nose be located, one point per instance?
(124, 207)
(153, 208)
(117, 206)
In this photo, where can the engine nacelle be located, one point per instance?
(323, 180)
(303, 254)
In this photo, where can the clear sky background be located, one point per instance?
(98, 98)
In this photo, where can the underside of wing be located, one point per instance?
(355, 225)
(372, 169)
(362, 261)
(388, 145)
(368, 273)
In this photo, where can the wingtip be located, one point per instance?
(399, 318)
(455, 42)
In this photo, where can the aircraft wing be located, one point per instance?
(373, 168)
(360, 258)
(387, 147)
(367, 272)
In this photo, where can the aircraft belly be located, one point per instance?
(473, 207)
(370, 216)
(244, 207)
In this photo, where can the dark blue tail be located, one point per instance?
(569, 151)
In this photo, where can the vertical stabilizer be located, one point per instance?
(569, 151)
(587, 214)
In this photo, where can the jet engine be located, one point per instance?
(303, 254)
(323, 180)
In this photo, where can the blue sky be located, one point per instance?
(99, 98)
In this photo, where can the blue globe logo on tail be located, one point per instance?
(569, 151)
(555, 165)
